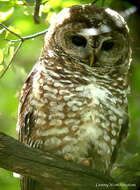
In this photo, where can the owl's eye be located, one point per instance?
(79, 40)
(107, 45)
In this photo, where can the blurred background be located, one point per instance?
(18, 16)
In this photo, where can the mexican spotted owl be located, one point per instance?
(74, 101)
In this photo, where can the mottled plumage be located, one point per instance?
(74, 101)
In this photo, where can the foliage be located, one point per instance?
(17, 15)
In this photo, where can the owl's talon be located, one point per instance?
(68, 157)
(87, 161)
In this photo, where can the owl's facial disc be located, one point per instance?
(103, 50)
(96, 37)
(81, 44)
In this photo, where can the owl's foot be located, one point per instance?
(87, 161)
(68, 157)
(84, 161)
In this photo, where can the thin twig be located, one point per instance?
(2, 30)
(20, 37)
(29, 37)
(4, 26)
(20, 40)
(44, 2)
(7, 67)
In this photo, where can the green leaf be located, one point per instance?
(8, 53)
(13, 29)
(1, 56)
(123, 186)
(5, 15)
(1, 68)
(11, 52)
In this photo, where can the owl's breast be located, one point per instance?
(73, 119)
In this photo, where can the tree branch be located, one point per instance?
(15, 34)
(15, 53)
(30, 36)
(36, 11)
(20, 40)
(20, 37)
(48, 169)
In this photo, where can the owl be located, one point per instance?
(74, 101)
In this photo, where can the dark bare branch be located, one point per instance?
(48, 169)
(36, 11)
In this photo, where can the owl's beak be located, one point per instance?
(91, 60)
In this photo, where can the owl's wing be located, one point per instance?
(122, 136)
(24, 111)
(25, 125)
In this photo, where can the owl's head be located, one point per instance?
(94, 36)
